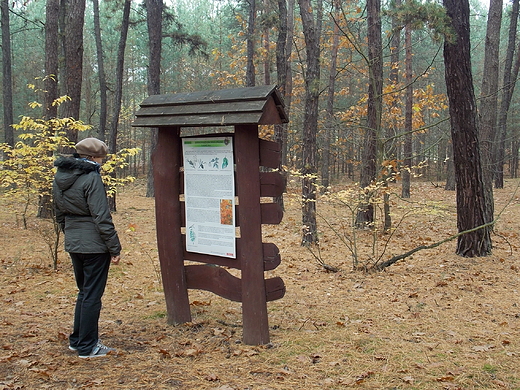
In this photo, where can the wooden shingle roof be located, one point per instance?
(262, 105)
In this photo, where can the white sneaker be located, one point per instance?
(98, 351)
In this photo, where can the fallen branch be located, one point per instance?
(395, 259)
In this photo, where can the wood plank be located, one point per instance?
(225, 95)
(215, 279)
(271, 256)
(272, 115)
(275, 288)
(166, 165)
(254, 304)
(198, 120)
(270, 154)
(219, 281)
(205, 108)
(272, 184)
(272, 213)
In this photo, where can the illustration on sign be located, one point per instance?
(209, 196)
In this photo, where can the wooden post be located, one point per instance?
(166, 171)
(254, 303)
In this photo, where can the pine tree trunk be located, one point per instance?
(250, 68)
(310, 125)
(365, 215)
(508, 86)
(7, 80)
(489, 101)
(471, 205)
(408, 121)
(52, 11)
(330, 126)
(72, 31)
(154, 10)
(101, 73)
(280, 130)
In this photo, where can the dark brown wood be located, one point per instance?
(272, 213)
(270, 155)
(225, 95)
(201, 108)
(219, 281)
(271, 256)
(272, 184)
(215, 279)
(254, 308)
(257, 105)
(245, 108)
(166, 163)
(197, 120)
(275, 289)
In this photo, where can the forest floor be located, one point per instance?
(432, 321)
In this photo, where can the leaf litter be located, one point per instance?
(431, 321)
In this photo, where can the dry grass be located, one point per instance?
(433, 321)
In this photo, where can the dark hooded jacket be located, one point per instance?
(82, 209)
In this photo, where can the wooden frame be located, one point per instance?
(245, 109)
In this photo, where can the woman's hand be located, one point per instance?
(115, 259)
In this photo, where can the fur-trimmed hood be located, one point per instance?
(70, 168)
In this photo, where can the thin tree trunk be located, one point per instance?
(250, 68)
(154, 10)
(101, 74)
(310, 126)
(50, 83)
(112, 145)
(489, 101)
(408, 121)
(365, 215)
(119, 76)
(390, 147)
(7, 81)
(52, 11)
(471, 212)
(280, 130)
(329, 128)
(508, 85)
(267, 62)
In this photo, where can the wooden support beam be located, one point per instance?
(254, 305)
(166, 162)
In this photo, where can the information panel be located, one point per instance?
(209, 194)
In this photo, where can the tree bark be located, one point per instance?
(7, 81)
(390, 146)
(101, 74)
(408, 115)
(471, 205)
(330, 122)
(489, 101)
(72, 30)
(52, 11)
(508, 86)
(365, 215)
(310, 123)
(118, 95)
(450, 168)
(154, 9)
(280, 130)
(250, 68)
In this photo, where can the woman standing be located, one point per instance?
(91, 240)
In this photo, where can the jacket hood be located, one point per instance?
(70, 168)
